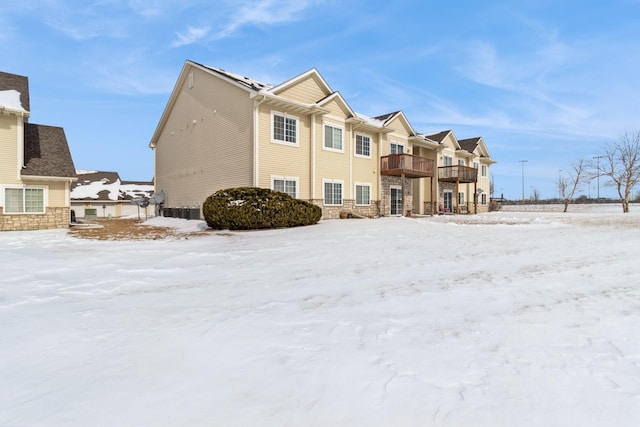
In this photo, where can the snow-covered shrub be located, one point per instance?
(249, 208)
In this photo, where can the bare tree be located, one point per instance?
(568, 184)
(535, 194)
(621, 164)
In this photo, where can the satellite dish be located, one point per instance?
(157, 198)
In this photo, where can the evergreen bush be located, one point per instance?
(250, 208)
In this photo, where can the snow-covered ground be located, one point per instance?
(500, 319)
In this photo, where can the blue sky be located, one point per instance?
(542, 81)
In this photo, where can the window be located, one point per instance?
(397, 148)
(363, 146)
(332, 192)
(484, 198)
(460, 198)
(285, 128)
(24, 200)
(363, 194)
(460, 162)
(475, 165)
(285, 185)
(333, 137)
(484, 170)
(448, 161)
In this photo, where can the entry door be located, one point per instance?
(396, 201)
(448, 201)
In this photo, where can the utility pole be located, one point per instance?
(598, 176)
(523, 162)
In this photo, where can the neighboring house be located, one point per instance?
(104, 194)
(36, 169)
(221, 130)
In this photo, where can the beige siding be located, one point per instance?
(8, 150)
(206, 143)
(306, 91)
(334, 108)
(398, 127)
(366, 170)
(331, 165)
(284, 160)
(58, 193)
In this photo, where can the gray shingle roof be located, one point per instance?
(46, 152)
(438, 137)
(243, 80)
(469, 144)
(19, 83)
(385, 117)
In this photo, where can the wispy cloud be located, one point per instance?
(192, 35)
(146, 8)
(265, 12)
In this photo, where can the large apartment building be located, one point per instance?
(221, 129)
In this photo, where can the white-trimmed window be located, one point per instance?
(397, 148)
(476, 165)
(285, 184)
(333, 138)
(483, 197)
(460, 162)
(363, 194)
(284, 128)
(484, 170)
(363, 146)
(332, 192)
(460, 198)
(19, 200)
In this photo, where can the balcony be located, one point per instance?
(408, 165)
(458, 174)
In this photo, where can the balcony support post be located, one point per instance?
(475, 197)
(433, 194)
(403, 213)
(457, 195)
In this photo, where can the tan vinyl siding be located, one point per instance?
(333, 165)
(334, 108)
(8, 150)
(206, 143)
(367, 170)
(398, 127)
(306, 91)
(282, 159)
(58, 193)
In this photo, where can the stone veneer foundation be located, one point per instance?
(53, 218)
(348, 207)
(396, 181)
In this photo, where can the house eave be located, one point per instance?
(48, 178)
(289, 105)
(13, 112)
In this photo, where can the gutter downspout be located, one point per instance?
(378, 167)
(351, 153)
(256, 140)
(20, 138)
(312, 184)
